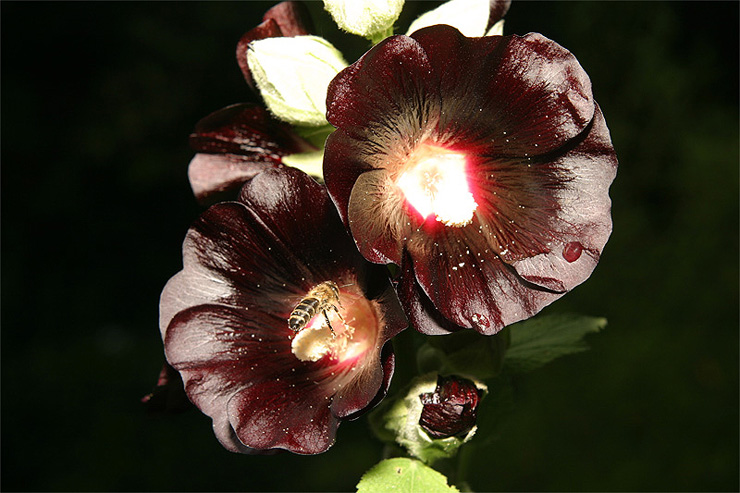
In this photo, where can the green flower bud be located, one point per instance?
(292, 74)
(365, 18)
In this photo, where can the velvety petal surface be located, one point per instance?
(538, 161)
(234, 144)
(507, 95)
(499, 270)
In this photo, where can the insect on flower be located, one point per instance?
(226, 318)
(320, 299)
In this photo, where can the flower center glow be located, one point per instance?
(354, 332)
(434, 181)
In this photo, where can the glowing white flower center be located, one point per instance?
(354, 333)
(434, 181)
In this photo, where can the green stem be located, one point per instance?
(463, 466)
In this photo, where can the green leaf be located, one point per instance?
(540, 340)
(465, 353)
(403, 475)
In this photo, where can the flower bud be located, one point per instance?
(293, 74)
(434, 417)
(364, 17)
(451, 409)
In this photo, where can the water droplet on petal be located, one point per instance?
(572, 251)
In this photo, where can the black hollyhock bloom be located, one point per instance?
(224, 318)
(480, 166)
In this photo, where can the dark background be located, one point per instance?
(98, 100)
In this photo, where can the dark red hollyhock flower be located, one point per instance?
(237, 142)
(224, 318)
(451, 409)
(481, 166)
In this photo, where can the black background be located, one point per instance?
(98, 100)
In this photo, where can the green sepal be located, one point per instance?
(311, 163)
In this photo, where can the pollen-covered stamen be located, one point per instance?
(434, 181)
(355, 326)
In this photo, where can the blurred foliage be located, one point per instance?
(98, 100)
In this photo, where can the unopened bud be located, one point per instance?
(451, 409)
(293, 75)
(364, 17)
(433, 419)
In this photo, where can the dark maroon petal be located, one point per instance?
(451, 409)
(272, 415)
(341, 177)
(583, 223)
(284, 19)
(234, 144)
(293, 18)
(378, 240)
(299, 213)
(231, 258)
(214, 176)
(376, 90)
(507, 95)
(348, 409)
(248, 130)
(207, 345)
(422, 314)
(475, 281)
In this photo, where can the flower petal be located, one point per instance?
(483, 279)
(234, 144)
(584, 213)
(379, 86)
(422, 314)
(213, 176)
(203, 343)
(507, 95)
